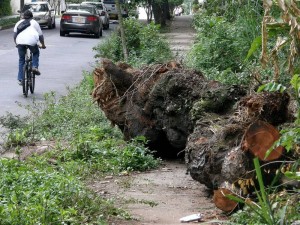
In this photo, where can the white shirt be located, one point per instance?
(29, 36)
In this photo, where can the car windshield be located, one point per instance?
(36, 7)
(98, 6)
(86, 8)
(72, 7)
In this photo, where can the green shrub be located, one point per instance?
(271, 207)
(10, 22)
(5, 8)
(39, 194)
(48, 189)
(144, 43)
(222, 45)
(99, 153)
(68, 116)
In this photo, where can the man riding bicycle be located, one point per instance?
(30, 36)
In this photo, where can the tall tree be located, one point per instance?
(121, 27)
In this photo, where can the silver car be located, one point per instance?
(84, 20)
(112, 9)
(42, 13)
(102, 12)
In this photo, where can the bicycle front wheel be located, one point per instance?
(32, 82)
(25, 80)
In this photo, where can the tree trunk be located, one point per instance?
(123, 38)
(222, 156)
(157, 12)
(149, 10)
(219, 128)
(158, 102)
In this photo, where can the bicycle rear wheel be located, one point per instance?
(25, 81)
(32, 82)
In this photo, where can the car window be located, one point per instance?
(98, 6)
(36, 7)
(89, 9)
(72, 7)
(42, 8)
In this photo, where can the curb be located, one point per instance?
(6, 27)
(10, 25)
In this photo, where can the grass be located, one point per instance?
(8, 22)
(272, 207)
(50, 188)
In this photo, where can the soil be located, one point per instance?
(161, 196)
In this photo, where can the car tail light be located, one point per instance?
(92, 18)
(66, 17)
(102, 13)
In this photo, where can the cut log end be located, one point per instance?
(259, 138)
(222, 201)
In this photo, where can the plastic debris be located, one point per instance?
(191, 218)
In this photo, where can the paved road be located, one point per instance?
(62, 64)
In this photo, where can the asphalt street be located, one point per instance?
(62, 65)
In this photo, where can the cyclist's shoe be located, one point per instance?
(20, 82)
(36, 71)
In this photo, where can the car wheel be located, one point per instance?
(97, 35)
(62, 34)
(50, 24)
(53, 25)
(101, 32)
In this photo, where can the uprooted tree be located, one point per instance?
(219, 128)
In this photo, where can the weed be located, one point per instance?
(223, 40)
(271, 209)
(141, 201)
(38, 194)
(49, 189)
(144, 43)
(8, 22)
(12, 122)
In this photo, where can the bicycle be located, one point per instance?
(28, 82)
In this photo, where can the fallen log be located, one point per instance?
(219, 127)
(157, 101)
(223, 155)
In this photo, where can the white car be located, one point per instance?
(112, 9)
(102, 10)
(42, 13)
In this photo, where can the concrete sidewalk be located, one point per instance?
(181, 36)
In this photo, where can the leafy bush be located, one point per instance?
(272, 208)
(5, 8)
(68, 116)
(39, 194)
(144, 43)
(47, 189)
(8, 22)
(222, 44)
(109, 155)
